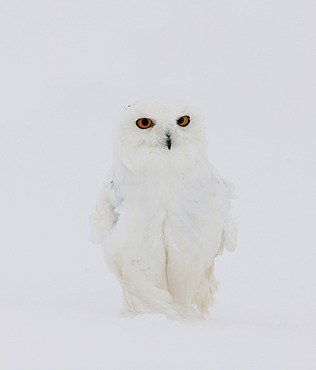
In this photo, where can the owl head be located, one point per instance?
(158, 133)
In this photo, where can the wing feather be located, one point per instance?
(105, 217)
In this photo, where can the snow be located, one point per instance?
(67, 68)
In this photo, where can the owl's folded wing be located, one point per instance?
(104, 217)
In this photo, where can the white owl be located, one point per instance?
(163, 214)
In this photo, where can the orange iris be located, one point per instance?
(144, 123)
(183, 121)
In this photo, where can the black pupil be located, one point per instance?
(145, 122)
(181, 120)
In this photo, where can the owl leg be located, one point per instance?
(147, 298)
(193, 287)
(144, 287)
(206, 292)
(182, 279)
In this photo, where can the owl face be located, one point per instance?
(158, 131)
(159, 125)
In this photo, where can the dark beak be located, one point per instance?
(168, 141)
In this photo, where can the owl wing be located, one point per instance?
(230, 229)
(105, 216)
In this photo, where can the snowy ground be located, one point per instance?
(67, 68)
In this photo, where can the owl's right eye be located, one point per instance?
(144, 123)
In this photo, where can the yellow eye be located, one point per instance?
(183, 121)
(144, 123)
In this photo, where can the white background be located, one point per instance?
(66, 69)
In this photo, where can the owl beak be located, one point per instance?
(168, 141)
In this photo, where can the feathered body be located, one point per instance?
(163, 214)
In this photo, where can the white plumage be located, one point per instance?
(163, 214)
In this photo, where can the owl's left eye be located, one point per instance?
(183, 121)
(144, 123)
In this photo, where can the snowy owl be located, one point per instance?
(163, 214)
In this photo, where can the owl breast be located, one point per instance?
(184, 205)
